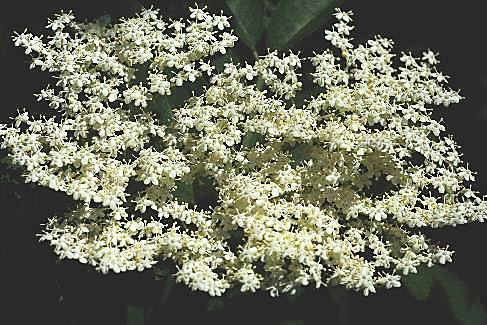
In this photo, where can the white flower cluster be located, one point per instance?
(335, 191)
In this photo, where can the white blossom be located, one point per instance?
(296, 186)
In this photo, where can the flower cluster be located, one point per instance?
(334, 191)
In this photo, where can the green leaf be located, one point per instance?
(220, 60)
(468, 313)
(161, 105)
(103, 20)
(249, 20)
(305, 95)
(301, 152)
(168, 287)
(292, 322)
(161, 273)
(466, 310)
(135, 315)
(251, 139)
(184, 191)
(215, 303)
(293, 20)
(419, 284)
(296, 296)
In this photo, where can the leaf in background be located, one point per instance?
(292, 322)
(467, 313)
(419, 284)
(168, 287)
(296, 296)
(104, 20)
(205, 194)
(220, 60)
(465, 309)
(340, 297)
(184, 191)
(135, 315)
(251, 139)
(249, 20)
(215, 303)
(161, 273)
(270, 7)
(161, 105)
(301, 152)
(293, 20)
(305, 95)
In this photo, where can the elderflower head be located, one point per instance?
(297, 194)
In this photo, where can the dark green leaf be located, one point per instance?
(104, 20)
(292, 322)
(293, 20)
(301, 152)
(251, 139)
(214, 304)
(161, 273)
(249, 20)
(220, 60)
(204, 192)
(184, 191)
(467, 313)
(305, 95)
(168, 286)
(161, 105)
(296, 296)
(270, 7)
(135, 315)
(419, 285)
(477, 313)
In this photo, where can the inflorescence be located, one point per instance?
(327, 192)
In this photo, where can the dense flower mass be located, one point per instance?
(333, 191)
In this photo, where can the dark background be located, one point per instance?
(38, 289)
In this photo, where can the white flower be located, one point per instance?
(298, 188)
(430, 57)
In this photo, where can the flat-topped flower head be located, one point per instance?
(334, 191)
